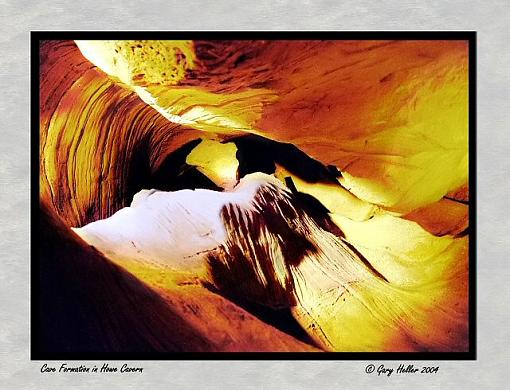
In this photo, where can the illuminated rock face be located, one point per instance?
(98, 141)
(397, 109)
(257, 244)
(89, 304)
(357, 224)
(168, 227)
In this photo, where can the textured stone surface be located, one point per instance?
(392, 115)
(99, 142)
(89, 304)
(384, 121)
(380, 284)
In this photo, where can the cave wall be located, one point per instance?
(86, 303)
(98, 141)
(391, 115)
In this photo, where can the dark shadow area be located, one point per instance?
(235, 268)
(86, 303)
(175, 174)
(259, 154)
(282, 319)
(172, 175)
(314, 209)
(320, 214)
(254, 154)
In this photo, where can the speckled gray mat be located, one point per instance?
(490, 19)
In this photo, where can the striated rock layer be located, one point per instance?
(89, 304)
(392, 115)
(99, 143)
(257, 244)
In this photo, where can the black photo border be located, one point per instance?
(37, 36)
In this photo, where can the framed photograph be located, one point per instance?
(253, 195)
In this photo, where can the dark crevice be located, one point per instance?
(466, 202)
(259, 154)
(365, 261)
(314, 209)
(172, 175)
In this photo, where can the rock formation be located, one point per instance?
(254, 195)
